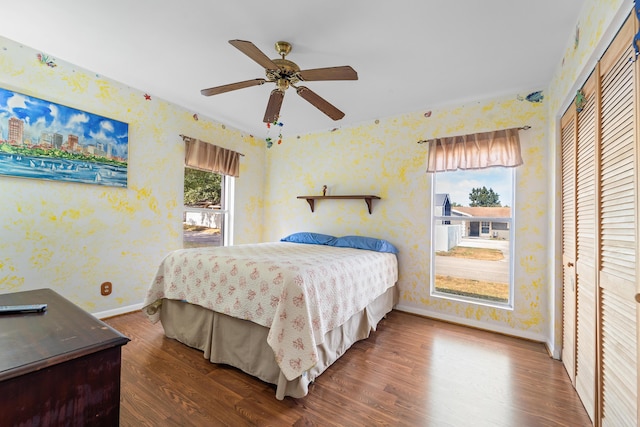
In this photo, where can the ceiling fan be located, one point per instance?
(285, 73)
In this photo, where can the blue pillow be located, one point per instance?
(362, 242)
(310, 238)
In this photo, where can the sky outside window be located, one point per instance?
(458, 184)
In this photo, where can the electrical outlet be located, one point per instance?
(106, 288)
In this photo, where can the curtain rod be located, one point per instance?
(184, 136)
(526, 127)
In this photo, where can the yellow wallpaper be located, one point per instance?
(72, 237)
(595, 18)
(384, 159)
(597, 24)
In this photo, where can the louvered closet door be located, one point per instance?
(618, 233)
(586, 209)
(568, 136)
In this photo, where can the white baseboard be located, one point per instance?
(117, 311)
(427, 313)
(532, 336)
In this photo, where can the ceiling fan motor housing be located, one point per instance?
(287, 70)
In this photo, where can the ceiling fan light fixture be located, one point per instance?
(285, 73)
(282, 84)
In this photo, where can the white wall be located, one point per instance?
(72, 237)
(597, 25)
(383, 158)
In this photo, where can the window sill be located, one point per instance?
(471, 300)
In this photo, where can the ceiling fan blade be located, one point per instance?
(319, 102)
(254, 53)
(329, 73)
(233, 86)
(273, 106)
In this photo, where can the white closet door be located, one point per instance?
(568, 136)
(606, 314)
(586, 238)
(618, 235)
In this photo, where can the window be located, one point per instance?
(472, 243)
(485, 227)
(209, 185)
(206, 219)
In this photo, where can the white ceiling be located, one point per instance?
(410, 55)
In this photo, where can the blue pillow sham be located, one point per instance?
(356, 242)
(309, 238)
(363, 242)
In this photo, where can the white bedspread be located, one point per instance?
(299, 291)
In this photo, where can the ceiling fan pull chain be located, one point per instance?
(268, 139)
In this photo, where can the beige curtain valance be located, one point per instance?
(205, 156)
(474, 151)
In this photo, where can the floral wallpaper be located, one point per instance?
(597, 24)
(72, 237)
(382, 158)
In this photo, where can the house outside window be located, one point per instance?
(471, 256)
(207, 213)
(442, 206)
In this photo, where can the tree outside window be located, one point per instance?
(204, 211)
(472, 245)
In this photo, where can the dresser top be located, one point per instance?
(33, 341)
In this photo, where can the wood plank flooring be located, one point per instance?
(412, 371)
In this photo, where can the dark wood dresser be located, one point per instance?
(60, 367)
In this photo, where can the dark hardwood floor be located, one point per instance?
(412, 371)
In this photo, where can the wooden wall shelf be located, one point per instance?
(311, 199)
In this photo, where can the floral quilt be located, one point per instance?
(298, 291)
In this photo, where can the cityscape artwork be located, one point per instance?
(44, 140)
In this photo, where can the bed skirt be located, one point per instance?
(243, 344)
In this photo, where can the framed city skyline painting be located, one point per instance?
(44, 140)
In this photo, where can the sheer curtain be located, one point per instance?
(205, 156)
(475, 151)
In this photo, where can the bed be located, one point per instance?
(280, 311)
